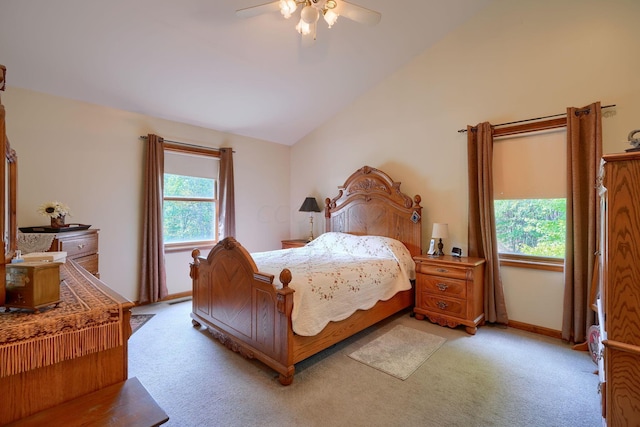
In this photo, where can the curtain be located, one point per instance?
(226, 198)
(482, 230)
(584, 151)
(153, 282)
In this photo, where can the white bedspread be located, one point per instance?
(337, 274)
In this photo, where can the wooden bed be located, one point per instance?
(242, 308)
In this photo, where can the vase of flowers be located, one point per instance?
(56, 211)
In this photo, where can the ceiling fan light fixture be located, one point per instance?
(330, 17)
(287, 7)
(303, 28)
(310, 11)
(309, 14)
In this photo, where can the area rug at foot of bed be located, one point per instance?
(399, 352)
(138, 320)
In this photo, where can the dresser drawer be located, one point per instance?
(78, 246)
(89, 263)
(444, 305)
(455, 288)
(439, 270)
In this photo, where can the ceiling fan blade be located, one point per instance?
(250, 12)
(357, 13)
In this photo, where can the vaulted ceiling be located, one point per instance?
(196, 62)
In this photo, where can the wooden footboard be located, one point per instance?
(242, 308)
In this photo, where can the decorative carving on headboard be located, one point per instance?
(368, 185)
(367, 181)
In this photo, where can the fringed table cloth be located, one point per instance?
(87, 320)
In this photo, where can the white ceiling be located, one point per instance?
(194, 61)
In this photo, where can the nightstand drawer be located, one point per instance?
(444, 271)
(450, 306)
(455, 288)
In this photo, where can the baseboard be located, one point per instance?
(169, 298)
(535, 329)
(178, 295)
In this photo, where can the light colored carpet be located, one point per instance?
(399, 352)
(500, 377)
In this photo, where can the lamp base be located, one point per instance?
(440, 246)
(311, 229)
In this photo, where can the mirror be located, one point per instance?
(8, 194)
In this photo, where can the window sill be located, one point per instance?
(536, 263)
(189, 246)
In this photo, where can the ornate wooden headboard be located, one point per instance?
(371, 203)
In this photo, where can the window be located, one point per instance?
(190, 208)
(530, 198)
(534, 227)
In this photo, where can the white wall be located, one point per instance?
(91, 158)
(514, 60)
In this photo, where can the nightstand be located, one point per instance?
(450, 291)
(293, 243)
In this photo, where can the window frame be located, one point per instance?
(530, 261)
(198, 151)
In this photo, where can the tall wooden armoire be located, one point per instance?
(620, 289)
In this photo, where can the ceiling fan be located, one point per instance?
(311, 11)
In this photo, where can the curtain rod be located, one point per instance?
(186, 144)
(533, 120)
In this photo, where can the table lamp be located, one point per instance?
(440, 231)
(310, 205)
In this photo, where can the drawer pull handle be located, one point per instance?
(80, 246)
(442, 286)
(442, 270)
(442, 305)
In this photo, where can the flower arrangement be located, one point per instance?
(54, 209)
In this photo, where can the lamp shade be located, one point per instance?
(309, 205)
(440, 230)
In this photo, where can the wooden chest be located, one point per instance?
(32, 285)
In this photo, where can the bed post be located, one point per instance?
(284, 304)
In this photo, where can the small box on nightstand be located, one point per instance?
(32, 285)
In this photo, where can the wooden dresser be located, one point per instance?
(450, 291)
(81, 247)
(619, 315)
